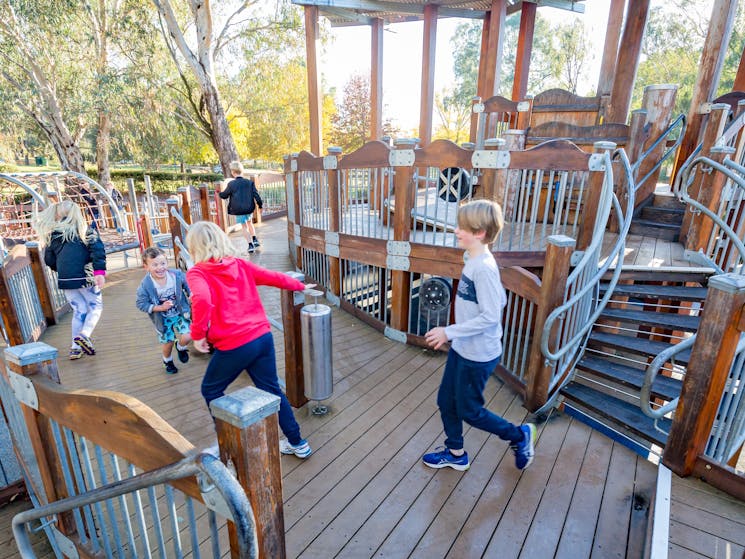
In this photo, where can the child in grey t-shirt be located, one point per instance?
(476, 346)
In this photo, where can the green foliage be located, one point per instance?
(351, 124)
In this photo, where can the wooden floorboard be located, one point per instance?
(365, 493)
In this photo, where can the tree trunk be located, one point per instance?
(222, 139)
(103, 142)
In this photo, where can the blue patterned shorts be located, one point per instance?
(173, 325)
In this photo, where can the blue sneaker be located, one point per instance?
(443, 458)
(525, 449)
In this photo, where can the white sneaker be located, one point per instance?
(302, 450)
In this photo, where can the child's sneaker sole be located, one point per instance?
(84, 343)
(75, 354)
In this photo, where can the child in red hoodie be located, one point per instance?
(226, 312)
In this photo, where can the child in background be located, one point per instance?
(76, 253)
(477, 345)
(227, 313)
(164, 295)
(243, 201)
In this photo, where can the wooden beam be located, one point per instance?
(376, 79)
(739, 84)
(710, 70)
(402, 9)
(492, 65)
(524, 49)
(628, 60)
(312, 41)
(610, 50)
(428, 74)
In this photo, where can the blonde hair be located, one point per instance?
(65, 217)
(206, 241)
(481, 215)
(236, 167)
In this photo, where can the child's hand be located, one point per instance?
(436, 337)
(202, 345)
(100, 280)
(309, 286)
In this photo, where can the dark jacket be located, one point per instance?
(147, 297)
(243, 196)
(75, 261)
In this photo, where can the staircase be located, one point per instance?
(642, 319)
(661, 216)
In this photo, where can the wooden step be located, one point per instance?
(663, 387)
(670, 292)
(662, 214)
(646, 228)
(684, 322)
(667, 200)
(618, 413)
(642, 346)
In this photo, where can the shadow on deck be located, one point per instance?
(364, 491)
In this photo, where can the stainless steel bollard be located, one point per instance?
(315, 330)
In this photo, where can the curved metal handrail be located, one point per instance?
(578, 340)
(651, 374)
(635, 167)
(204, 464)
(179, 218)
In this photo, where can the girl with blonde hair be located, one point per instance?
(76, 253)
(226, 312)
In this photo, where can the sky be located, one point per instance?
(349, 54)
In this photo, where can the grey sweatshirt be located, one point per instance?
(477, 332)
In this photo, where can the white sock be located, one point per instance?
(181, 347)
(168, 359)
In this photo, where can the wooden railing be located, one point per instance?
(75, 443)
(375, 229)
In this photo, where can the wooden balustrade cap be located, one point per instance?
(729, 283)
(35, 352)
(245, 407)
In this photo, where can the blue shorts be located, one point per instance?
(173, 325)
(241, 219)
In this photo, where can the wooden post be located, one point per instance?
(524, 49)
(312, 41)
(376, 79)
(291, 303)
(294, 211)
(610, 49)
(248, 437)
(11, 322)
(710, 194)
(42, 284)
(593, 198)
(658, 101)
(220, 208)
(713, 129)
(708, 369)
(146, 232)
(334, 153)
(204, 202)
(739, 84)
(35, 443)
(493, 64)
(174, 226)
(185, 194)
(481, 90)
(710, 70)
(404, 190)
(428, 74)
(553, 284)
(133, 205)
(628, 60)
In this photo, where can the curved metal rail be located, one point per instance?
(204, 465)
(680, 121)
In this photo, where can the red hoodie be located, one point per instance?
(225, 304)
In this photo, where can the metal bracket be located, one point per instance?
(478, 108)
(212, 498)
(395, 335)
(330, 162)
(523, 106)
(290, 198)
(705, 108)
(596, 162)
(65, 544)
(491, 159)
(401, 158)
(398, 248)
(333, 299)
(576, 257)
(24, 390)
(397, 262)
(297, 237)
(332, 243)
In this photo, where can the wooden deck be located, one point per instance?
(364, 492)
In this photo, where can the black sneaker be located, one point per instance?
(251, 248)
(171, 368)
(183, 355)
(256, 242)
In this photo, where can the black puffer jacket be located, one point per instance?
(243, 196)
(75, 261)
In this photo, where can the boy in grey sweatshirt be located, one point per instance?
(476, 346)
